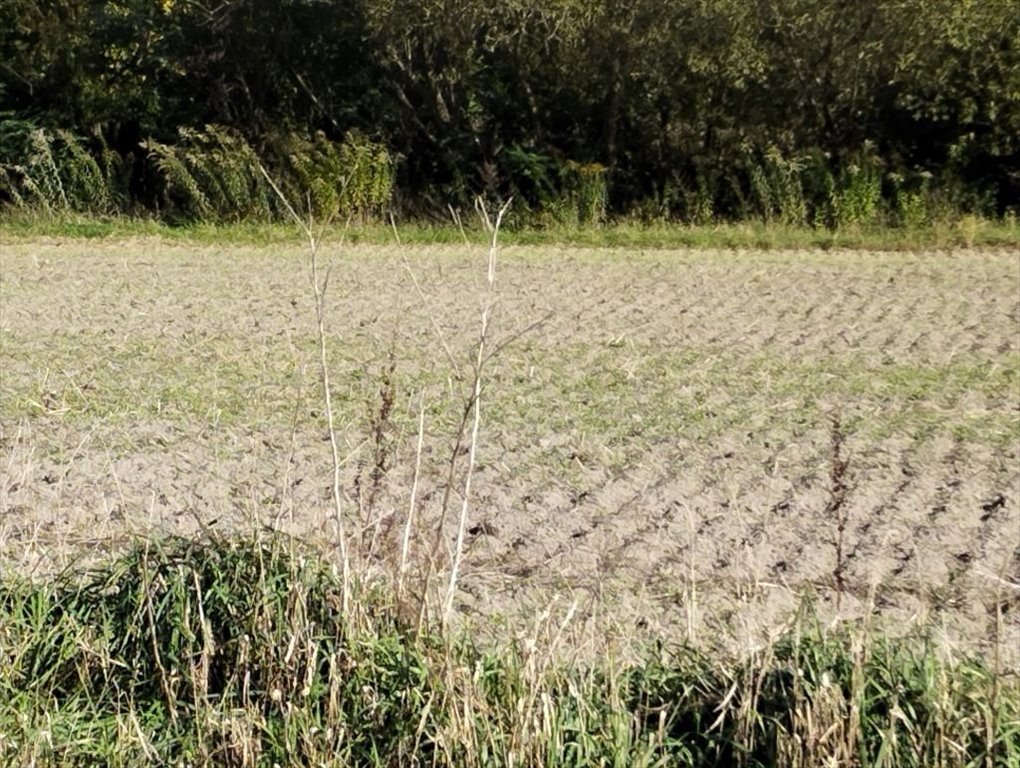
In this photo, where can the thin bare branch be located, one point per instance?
(413, 502)
(490, 300)
(319, 287)
(432, 318)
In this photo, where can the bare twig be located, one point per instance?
(504, 343)
(319, 286)
(432, 318)
(393, 225)
(490, 300)
(836, 506)
(405, 546)
(455, 215)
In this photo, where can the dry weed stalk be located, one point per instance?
(432, 317)
(382, 450)
(471, 413)
(465, 437)
(319, 286)
(492, 226)
(455, 216)
(836, 509)
(286, 495)
(691, 588)
(405, 544)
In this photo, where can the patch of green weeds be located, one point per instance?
(81, 378)
(622, 399)
(701, 393)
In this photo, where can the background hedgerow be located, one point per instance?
(877, 112)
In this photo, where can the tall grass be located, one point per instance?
(209, 174)
(57, 172)
(776, 187)
(237, 651)
(214, 175)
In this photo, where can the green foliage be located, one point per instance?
(776, 187)
(221, 649)
(742, 102)
(349, 180)
(799, 190)
(912, 203)
(819, 185)
(212, 174)
(587, 190)
(316, 172)
(858, 197)
(568, 193)
(59, 173)
(368, 179)
(699, 202)
(215, 175)
(533, 179)
(177, 178)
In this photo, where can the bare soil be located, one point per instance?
(657, 425)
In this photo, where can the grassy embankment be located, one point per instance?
(237, 652)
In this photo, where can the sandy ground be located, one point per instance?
(656, 439)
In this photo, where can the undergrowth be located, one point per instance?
(236, 651)
(210, 174)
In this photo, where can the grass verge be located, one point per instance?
(236, 651)
(962, 232)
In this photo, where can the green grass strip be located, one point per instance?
(962, 232)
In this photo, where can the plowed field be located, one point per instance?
(657, 427)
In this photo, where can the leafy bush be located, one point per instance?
(211, 174)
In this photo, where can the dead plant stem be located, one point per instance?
(319, 287)
(409, 523)
(476, 399)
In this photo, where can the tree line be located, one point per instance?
(820, 112)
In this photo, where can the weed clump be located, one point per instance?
(211, 650)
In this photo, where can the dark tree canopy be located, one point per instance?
(682, 108)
